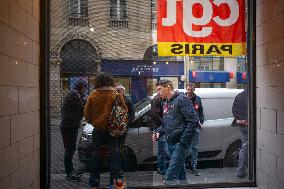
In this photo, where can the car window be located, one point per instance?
(142, 104)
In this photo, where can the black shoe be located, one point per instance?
(195, 172)
(73, 177)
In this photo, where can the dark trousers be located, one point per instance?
(69, 136)
(105, 148)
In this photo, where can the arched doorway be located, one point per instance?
(78, 62)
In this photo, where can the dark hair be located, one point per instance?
(191, 85)
(104, 80)
(80, 84)
(165, 83)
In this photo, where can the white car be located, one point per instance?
(218, 140)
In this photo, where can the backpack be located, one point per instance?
(117, 123)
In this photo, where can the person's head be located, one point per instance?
(165, 89)
(120, 88)
(190, 88)
(104, 80)
(80, 85)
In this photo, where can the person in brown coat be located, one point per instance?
(97, 112)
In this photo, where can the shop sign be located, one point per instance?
(144, 69)
(201, 28)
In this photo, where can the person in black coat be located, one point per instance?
(157, 121)
(240, 113)
(71, 115)
(193, 149)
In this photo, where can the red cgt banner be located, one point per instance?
(201, 28)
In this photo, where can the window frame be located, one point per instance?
(45, 148)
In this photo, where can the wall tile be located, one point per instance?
(9, 100)
(5, 45)
(26, 5)
(275, 97)
(36, 8)
(275, 51)
(280, 122)
(4, 11)
(5, 70)
(268, 163)
(17, 18)
(26, 147)
(280, 169)
(19, 73)
(268, 120)
(270, 75)
(5, 131)
(274, 184)
(19, 178)
(262, 51)
(9, 160)
(262, 179)
(28, 99)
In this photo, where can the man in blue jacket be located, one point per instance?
(193, 149)
(180, 122)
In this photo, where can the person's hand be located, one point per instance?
(155, 136)
(242, 122)
(200, 125)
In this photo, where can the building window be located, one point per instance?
(78, 13)
(78, 8)
(154, 14)
(242, 64)
(208, 63)
(118, 14)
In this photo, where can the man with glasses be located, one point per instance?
(180, 122)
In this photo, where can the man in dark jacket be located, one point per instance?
(180, 122)
(193, 149)
(157, 118)
(72, 114)
(240, 113)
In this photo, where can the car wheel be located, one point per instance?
(129, 160)
(232, 154)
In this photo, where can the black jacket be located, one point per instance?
(240, 106)
(197, 104)
(180, 120)
(72, 110)
(157, 112)
(130, 113)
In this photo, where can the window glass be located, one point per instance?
(119, 38)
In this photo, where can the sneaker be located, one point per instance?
(73, 177)
(195, 172)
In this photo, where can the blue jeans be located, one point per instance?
(105, 147)
(193, 148)
(162, 156)
(243, 155)
(176, 171)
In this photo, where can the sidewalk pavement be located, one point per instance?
(139, 179)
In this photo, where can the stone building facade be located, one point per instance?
(125, 38)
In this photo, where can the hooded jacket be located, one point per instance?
(179, 120)
(99, 106)
(73, 108)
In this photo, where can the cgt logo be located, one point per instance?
(189, 19)
(201, 27)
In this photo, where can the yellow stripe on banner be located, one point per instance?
(201, 49)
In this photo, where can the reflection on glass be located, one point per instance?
(119, 37)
